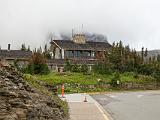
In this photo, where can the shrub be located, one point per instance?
(44, 69)
(76, 68)
(115, 78)
(84, 69)
(67, 66)
(136, 75)
(29, 69)
(103, 68)
(156, 75)
(37, 69)
(145, 69)
(37, 65)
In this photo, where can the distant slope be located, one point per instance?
(152, 53)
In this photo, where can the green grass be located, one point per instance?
(79, 78)
(78, 82)
(91, 79)
(128, 77)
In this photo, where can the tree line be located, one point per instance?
(37, 63)
(121, 59)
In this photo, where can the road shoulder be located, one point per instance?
(90, 110)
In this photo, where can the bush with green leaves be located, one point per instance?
(37, 69)
(115, 78)
(135, 75)
(103, 68)
(156, 74)
(145, 69)
(84, 69)
(37, 64)
(67, 66)
(76, 68)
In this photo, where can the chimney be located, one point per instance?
(79, 38)
(9, 47)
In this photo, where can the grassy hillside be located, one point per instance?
(32, 81)
(91, 79)
(59, 78)
(78, 82)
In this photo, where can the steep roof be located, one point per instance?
(89, 45)
(13, 54)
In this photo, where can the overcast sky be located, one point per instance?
(135, 22)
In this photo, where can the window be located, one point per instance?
(92, 54)
(77, 54)
(69, 54)
(86, 53)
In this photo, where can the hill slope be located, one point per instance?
(152, 53)
(20, 101)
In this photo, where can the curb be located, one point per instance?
(106, 115)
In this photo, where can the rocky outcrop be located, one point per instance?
(20, 101)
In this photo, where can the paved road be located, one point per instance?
(131, 105)
(80, 110)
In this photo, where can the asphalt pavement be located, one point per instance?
(144, 105)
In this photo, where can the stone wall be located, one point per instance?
(140, 86)
(123, 86)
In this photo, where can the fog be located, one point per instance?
(33, 22)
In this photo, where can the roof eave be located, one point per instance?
(56, 44)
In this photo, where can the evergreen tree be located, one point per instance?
(142, 55)
(146, 53)
(23, 48)
(158, 58)
(28, 48)
(45, 48)
(46, 52)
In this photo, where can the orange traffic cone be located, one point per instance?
(63, 91)
(85, 99)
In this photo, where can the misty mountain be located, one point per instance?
(152, 53)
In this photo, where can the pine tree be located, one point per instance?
(142, 55)
(46, 52)
(28, 48)
(23, 48)
(146, 53)
(158, 58)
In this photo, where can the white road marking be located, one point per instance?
(112, 96)
(139, 96)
